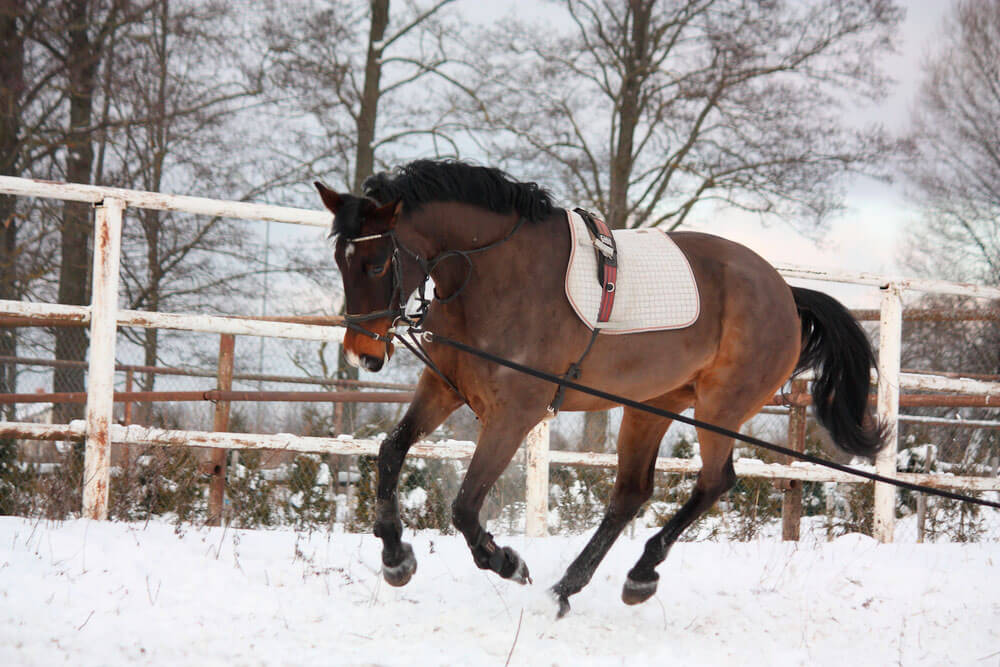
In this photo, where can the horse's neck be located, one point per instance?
(462, 232)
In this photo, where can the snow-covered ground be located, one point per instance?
(86, 593)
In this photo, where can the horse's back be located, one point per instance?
(735, 276)
(759, 325)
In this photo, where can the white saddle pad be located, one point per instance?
(655, 289)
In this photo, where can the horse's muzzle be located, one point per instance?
(370, 363)
(365, 352)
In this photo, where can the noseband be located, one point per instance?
(398, 313)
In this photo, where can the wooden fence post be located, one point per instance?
(101, 372)
(922, 498)
(890, 345)
(537, 482)
(220, 423)
(129, 382)
(791, 499)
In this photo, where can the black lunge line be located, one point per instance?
(621, 400)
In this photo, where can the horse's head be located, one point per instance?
(363, 251)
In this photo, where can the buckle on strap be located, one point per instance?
(607, 261)
(601, 238)
(606, 246)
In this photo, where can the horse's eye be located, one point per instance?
(375, 270)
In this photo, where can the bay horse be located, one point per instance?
(496, 249)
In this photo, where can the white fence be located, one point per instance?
(103, 317)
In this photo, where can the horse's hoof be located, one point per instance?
(563, 603)
(509, 565)
(521, 574)
(635, 592)
(401, 573)
(561, 599)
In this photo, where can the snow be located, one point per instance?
(88, 593)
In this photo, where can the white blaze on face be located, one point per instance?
(348, 252)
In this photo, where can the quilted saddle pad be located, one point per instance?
(655, 289)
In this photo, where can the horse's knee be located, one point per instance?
(393, 449)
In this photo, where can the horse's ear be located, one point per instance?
(384, 217)
(330, 198)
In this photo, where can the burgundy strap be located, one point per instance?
(609, 279)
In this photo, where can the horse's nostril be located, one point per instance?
(373, 364)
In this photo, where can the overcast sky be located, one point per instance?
(868, 236)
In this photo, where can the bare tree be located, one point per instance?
(357, 82)
(643, 109)
(354, 82)
(76, 35)
(954, 168)
(169, 93)
(12, 84)
(30, 106)
(955, 159)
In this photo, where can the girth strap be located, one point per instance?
(607, 260)
(572, 374)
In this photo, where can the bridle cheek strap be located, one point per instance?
(398, 312)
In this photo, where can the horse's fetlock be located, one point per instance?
(464, 520)
(501, 562)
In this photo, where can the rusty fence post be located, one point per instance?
(791, 499)
(126, 450)
(129, 382)
(101, 372)
(220, 423)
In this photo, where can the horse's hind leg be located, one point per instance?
(432, 403)
(722, 408)
(638, 445)
(716, 477)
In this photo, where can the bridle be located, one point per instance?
(414, 322)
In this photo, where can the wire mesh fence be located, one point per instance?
(267, 487)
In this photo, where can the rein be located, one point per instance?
(415, 332)
(621, 400)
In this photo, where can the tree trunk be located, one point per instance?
(74, 283)
(11, 91)
(364, 163)
(595, 425)
(634, 72)
(595, 432)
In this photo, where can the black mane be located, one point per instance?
(424, 181)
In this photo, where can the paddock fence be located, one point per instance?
(98, 430)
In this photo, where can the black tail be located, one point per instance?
(836, 347)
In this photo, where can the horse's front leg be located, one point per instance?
(498, 441)
(432, 403)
